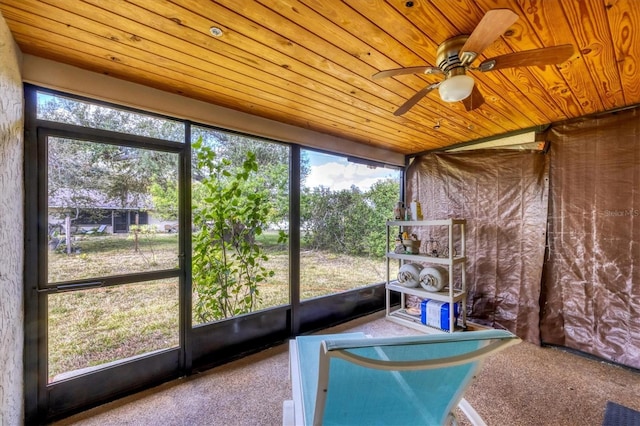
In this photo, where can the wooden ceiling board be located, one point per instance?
(309, 63)
(358, 34)
(495, 87)
(340, 68)
(559, 104)
(298, 70)
(626, 43)
(497, 115)
(575, 72)
(237, 83)
(593, 35)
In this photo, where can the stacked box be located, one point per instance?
(436, 314)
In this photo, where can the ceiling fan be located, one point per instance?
(455, 55)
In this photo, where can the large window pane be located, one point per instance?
(73, 111)
(241, 219)
(90, 328)
(112, 210)
(344, 206)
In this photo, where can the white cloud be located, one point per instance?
(338, 176)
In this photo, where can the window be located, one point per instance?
(135, 281)
(241, 220)
(344, 206)
(93, 327)
(87, 114)
(108, 206)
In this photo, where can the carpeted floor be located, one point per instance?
(523, 385)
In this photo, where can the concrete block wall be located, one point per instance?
(11, 231)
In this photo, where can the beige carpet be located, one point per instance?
(524, 385)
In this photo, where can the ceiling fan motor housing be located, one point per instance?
(448, 56)
(456, 55)
(456, 85)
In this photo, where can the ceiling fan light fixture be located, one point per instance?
(456, 88)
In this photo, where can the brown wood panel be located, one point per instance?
(624, 20)
(361, 100)
(407, 32)
(257, 71)
(521, 36)
(343, 68)
(309, 63)
(517, 86)
(497, 89)
(552, 28)
(389, 54)
(51, 46)
(275, 48)
(268, 92)
(443, 107)
(589, 23)
(195, 67)
(345, 35)
(234, 92)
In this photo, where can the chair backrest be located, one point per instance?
(400, 380)
(308, 358)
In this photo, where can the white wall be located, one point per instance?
(11, 231)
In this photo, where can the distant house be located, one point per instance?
(88, 209)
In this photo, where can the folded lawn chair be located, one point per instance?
(349, 379)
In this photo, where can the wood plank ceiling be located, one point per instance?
(309, 62)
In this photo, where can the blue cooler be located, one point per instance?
(436, 314)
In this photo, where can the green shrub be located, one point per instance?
(227, 261)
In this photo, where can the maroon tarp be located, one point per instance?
(591, 289)
(503, 196)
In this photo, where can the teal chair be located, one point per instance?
(350, 379)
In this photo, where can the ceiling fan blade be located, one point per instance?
(415, 98)
(407, 70)
(528, 58)
(492, 25)
(474, 100)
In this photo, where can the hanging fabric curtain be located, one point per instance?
(591, 290)
(503, 195)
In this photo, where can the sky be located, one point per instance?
(337, 173)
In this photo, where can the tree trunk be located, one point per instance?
(67, 232)
(136, 231)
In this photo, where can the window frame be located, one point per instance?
(204, 345)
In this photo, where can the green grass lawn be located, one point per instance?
(96, 326)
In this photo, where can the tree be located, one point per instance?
(91, 115)
(227, 261)
(165, 201)
(96, 177)
(382, 197)
(348, 221)
(273, 161)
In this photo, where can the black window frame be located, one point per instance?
(204, 345)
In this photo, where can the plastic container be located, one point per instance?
(411, 246)
(436, 314)
(398, 211)
(416, 210)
